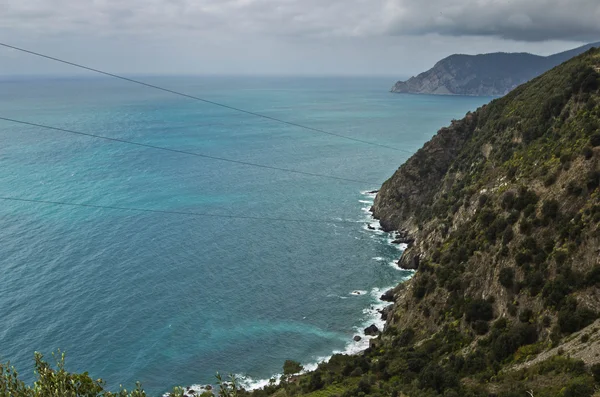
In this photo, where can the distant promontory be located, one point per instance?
(485, 74)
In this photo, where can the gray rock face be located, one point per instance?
(408, 192)
(483, 75)
(372, 330)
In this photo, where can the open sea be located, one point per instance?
(171, 299)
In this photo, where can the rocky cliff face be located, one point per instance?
(504, 210)
(485, 75)
(503, 205)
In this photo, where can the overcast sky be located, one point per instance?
(366, 37)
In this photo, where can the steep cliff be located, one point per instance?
(504, 210)
(486, 74)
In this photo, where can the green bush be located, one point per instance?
(291, 367)
(438, 378)
(550, 209)
(479, 309)
(579, 388)
(508, 200)
(572, 319)
(57, 382)
(507, 277)
(507, 343)
(480, 327)
(556, 291)
(596, 372)
(593, 180)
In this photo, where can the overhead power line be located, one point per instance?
(199, 214)
(200, 99)
(206, 156)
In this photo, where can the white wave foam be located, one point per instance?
(373, 227)
(250, 383)
(372, 312)
(198, 389)
(368, 193)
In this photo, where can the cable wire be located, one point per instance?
(200, 99)
(206, 156)
(200, 214)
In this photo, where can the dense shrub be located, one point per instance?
(486, 216)
(535, 282)
(508, 200)
(593, 180)
(480, 327)
(57, 382)
(595, 139)
(507, 277)
(555, 291)
(579, 388)
(525, 198)
(291, 367)
(506, 343)
(438, 378)
(572, 319)
(596, 372)
(550, 209)
(479, 309)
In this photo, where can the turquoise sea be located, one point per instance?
(171, 299)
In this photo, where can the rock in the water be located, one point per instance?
(388, 296)
(357, 338)
(374, 192)
(370, 227)
(372, 330)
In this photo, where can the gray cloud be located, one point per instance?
(525, 20)
(285, 17)
(395, 37)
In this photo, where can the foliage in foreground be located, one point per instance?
(58, 382)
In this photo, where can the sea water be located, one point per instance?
(171, 299)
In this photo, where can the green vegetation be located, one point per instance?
(291, 367)
(56, 381)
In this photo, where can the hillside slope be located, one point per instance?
(504, 207)
(485, 74)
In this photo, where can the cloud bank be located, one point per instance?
(521, 20)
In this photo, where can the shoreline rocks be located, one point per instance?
(372, 330)
(385, 312)
(388, 296)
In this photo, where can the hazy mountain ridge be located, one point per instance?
(491, 74)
